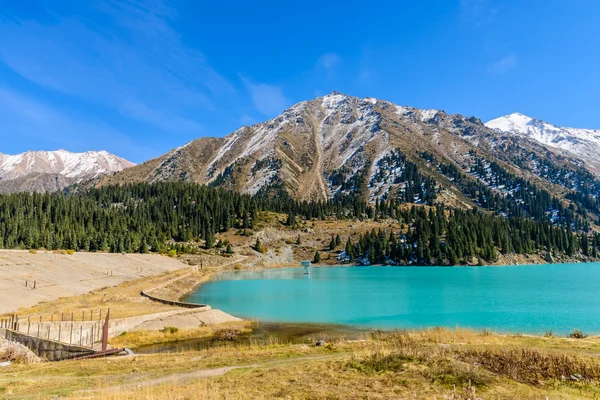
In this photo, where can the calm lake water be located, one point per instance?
(525, 299)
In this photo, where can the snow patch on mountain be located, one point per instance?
(584, 143)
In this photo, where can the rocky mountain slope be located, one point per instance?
(342, 145)
(583, 143)
(54, 170)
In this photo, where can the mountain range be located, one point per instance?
(49, 171)
(339, 145)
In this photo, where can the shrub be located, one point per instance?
(258, 246)
(576, 334)
(380, 362)
(172, 253)
(32, 251)
(529, 366)
(70, 252)
(228, 334)
(548, 334)
(170, 329)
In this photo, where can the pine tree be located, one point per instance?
(350, 250)
(332, 244)
(317, 257)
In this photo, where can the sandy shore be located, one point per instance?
(63, 275)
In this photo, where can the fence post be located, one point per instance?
(105, 331)
(48, 331)
(28, 324)
(38, 335)
(71, 336)
(80, 333)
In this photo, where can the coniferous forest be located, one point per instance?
(146, 217)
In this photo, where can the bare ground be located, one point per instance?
(64, 275)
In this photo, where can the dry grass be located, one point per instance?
(532, 366)
(136, 339)
(427, 364)
(225, 331)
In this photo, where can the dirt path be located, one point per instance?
(143, 381)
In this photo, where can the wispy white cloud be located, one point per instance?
(135, 63)
(504, 65)
(268, 99)
(329, 61)
(478, 12)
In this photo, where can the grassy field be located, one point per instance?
(428, 364)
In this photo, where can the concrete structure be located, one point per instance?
(174, 302)
(47, 349)
(306, 265)
(86, 333)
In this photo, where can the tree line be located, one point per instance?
(156, 217)
(444, 236)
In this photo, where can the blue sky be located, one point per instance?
(139, 77)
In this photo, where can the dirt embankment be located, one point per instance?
(64, 275)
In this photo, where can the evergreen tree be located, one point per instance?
(349, 250)
(332, 244)
(317, 257)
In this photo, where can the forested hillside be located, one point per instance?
(153, 217)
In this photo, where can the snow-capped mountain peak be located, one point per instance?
(584, 143)
(35, 166)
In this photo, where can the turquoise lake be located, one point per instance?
(523, 299)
